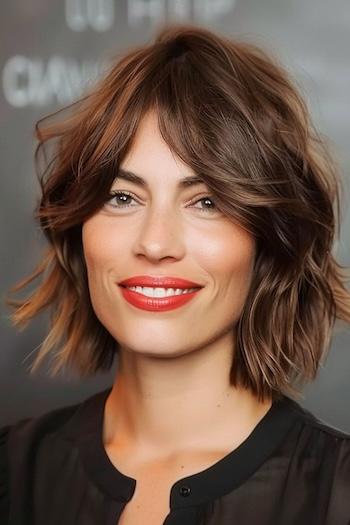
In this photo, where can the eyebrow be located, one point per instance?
(184, 182)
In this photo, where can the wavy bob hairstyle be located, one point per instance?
(232, 114)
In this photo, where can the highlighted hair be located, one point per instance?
(230, 111)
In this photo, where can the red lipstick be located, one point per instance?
(160, 281)
(158, 304)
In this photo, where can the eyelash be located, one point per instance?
(117, 193)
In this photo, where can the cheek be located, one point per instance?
(99, 238)
(235, 268)
(97, 247)
(228, 255)
(103, 260)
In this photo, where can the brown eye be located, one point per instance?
(206, 199)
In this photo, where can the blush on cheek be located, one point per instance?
(230, 252)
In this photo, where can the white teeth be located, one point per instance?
(159, 292)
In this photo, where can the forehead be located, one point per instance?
(147, 141)
(149, 157)
(183, 182)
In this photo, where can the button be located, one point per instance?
(185, 491)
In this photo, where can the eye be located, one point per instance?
(122, 200)
(206, 199)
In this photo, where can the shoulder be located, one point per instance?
(30, 438)
(29, 432)
(17, 444)
(4, 495)
(317, 437)
(316, 428)
(324, 449)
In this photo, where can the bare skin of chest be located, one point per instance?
(150, 503)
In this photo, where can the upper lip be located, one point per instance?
(159, 281)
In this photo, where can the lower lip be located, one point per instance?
(156, 304)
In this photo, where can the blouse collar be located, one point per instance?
(85, 430)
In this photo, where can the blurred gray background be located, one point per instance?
(51, 50)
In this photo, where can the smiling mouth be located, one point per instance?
(150, 299)
(160, 292)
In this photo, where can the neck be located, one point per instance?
(164, 405)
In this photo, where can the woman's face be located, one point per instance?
(165, 229)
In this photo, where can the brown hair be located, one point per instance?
(231, 113)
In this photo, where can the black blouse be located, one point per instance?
(292, 469)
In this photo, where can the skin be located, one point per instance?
(171, 400)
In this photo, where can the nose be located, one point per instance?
(160, 235)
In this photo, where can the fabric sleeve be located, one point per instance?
(4, 475)
(339, 504)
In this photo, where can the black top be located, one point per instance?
(291, 470)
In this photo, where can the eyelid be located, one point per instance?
(194, 200)
(131, 194)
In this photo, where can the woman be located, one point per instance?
(190, 212)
